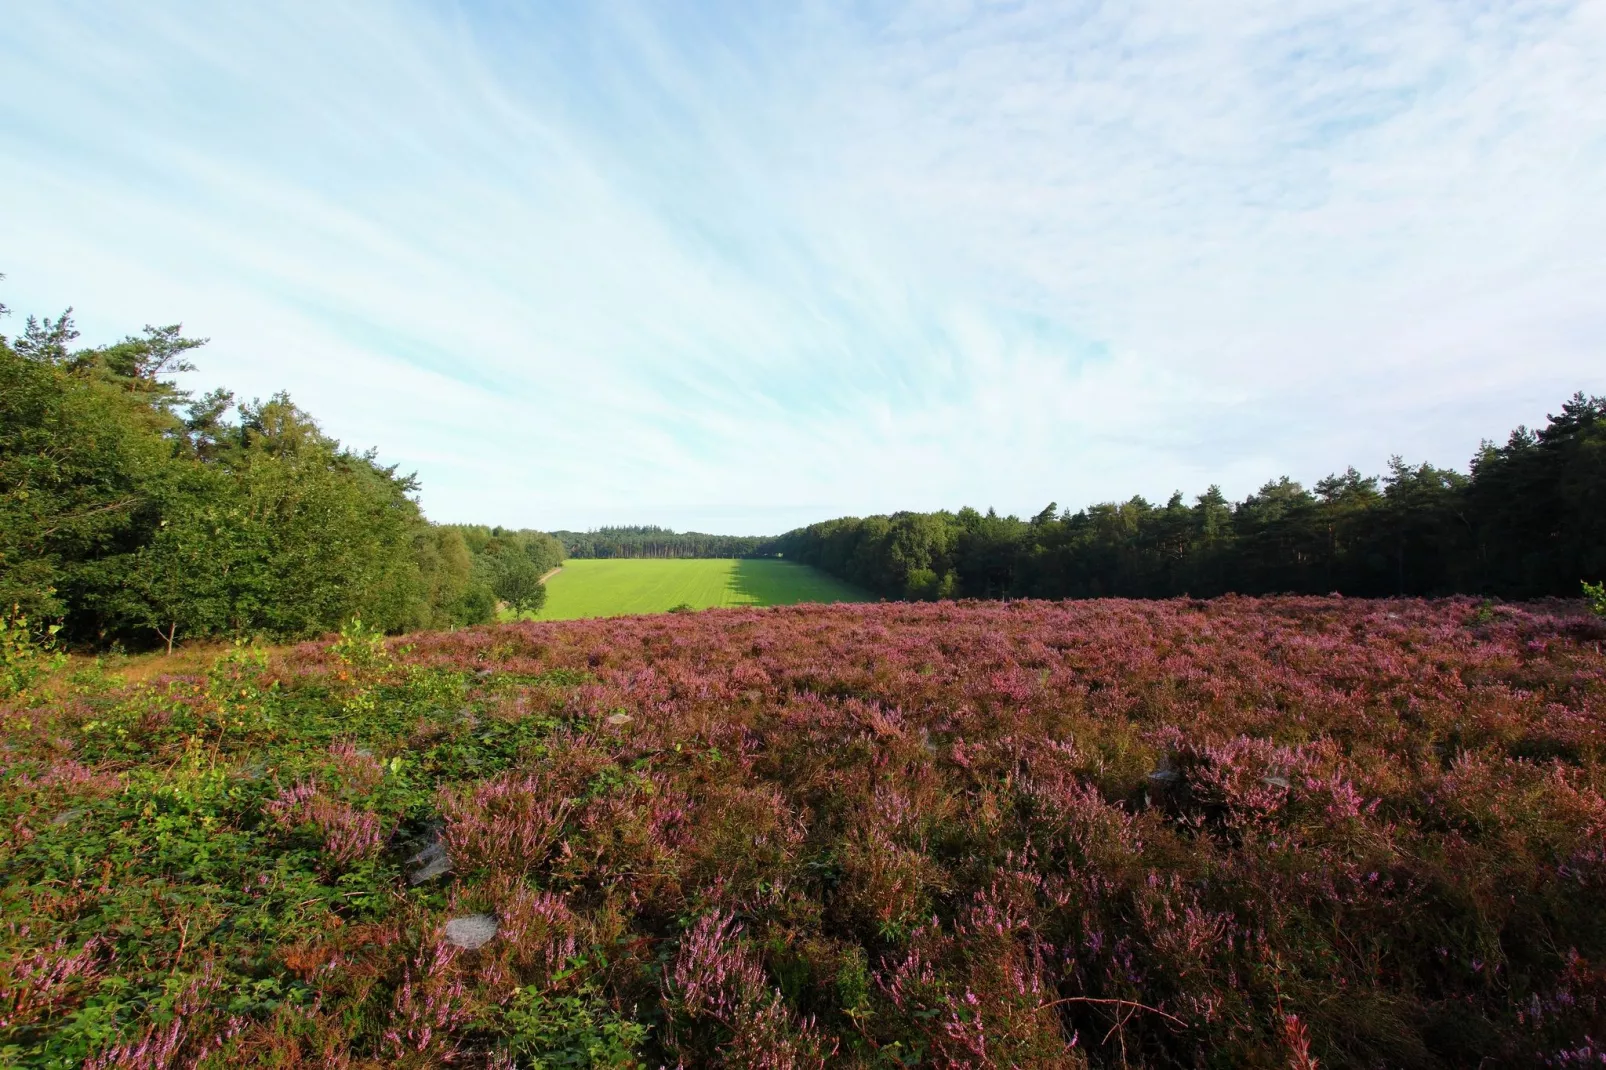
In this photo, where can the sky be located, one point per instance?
(740, 267)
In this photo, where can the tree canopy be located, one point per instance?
(1529, 520)
(135, 512)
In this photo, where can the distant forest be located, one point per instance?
(657, 542)
(1529, 521)
(135, 513)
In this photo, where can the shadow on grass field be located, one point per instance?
(624, 586)
(772, 582)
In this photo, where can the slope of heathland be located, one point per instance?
(1228, 833)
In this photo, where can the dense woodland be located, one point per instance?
(647, 541)
(1529, 521)
(135, 513)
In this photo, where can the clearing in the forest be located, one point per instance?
(621, 586)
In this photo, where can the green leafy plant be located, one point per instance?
(362, 650)
(1595, 595)
(24, 656)
(580, 1030)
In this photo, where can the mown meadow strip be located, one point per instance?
(1241, 832)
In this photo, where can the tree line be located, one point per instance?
(648, 541)
(1528, 520)
(508, 565)
(134, 512)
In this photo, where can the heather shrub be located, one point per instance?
(503, 825)
(723, 1008)
(1274, 832)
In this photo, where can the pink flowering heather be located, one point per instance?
(429, 1010)
(716, 979)
(349, 835)
(509, 823)
(35, 983)
(1280, 832)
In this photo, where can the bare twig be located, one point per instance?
(65, 520)
(1116, 1003)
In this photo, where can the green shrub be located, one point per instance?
(1595, 595)
(548, 1031)
(24, 657)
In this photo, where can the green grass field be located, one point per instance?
(618, 586)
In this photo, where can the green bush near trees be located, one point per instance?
(134, 512)
(508, 565)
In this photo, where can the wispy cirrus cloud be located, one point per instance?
(739, 270)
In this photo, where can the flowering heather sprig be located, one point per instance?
(540, 930)
(430, 1008)
(712, 973)
(64, 773)
(156, 1049)
(716, 977)
(287, 809)
(1339, 799)
(982, 995)
(186, 1039)
(1239, 782)
(359, 770)
(37, 984)
(507, 824)
(349, 834)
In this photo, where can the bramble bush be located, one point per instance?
(1240, 832)
(24, 655)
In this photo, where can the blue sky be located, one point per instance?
(740, 267)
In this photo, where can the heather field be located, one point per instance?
(1284, 832)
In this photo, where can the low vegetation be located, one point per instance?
(1236, 833)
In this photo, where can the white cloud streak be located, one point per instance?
(721, 271)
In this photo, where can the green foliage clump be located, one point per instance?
(134, 512)
(25, 656)
(1595, 595)
(549, 1032)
